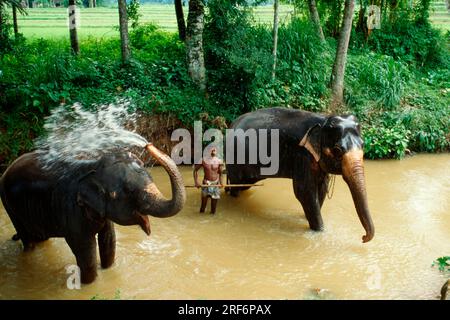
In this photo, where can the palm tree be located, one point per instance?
(194, 43)
(275, 36)
(337, 75)
(180, 20)
(314, 16)
(74, 44)
(17, 6)
(123, 26)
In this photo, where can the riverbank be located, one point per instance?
(399, 89)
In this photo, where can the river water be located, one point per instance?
(258, 246)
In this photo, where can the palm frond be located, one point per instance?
(16, 3)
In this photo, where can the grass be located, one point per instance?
(439, 15)
(104, 22)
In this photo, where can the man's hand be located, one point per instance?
(197, 185)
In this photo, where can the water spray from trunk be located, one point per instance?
(75, 133)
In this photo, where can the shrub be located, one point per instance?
(383, 142)
(376, 77)
(411, 39)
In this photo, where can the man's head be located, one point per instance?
(213, 151)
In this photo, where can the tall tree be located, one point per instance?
(73, 27)
(17, 7)
(2, 27)
(180, 20)
(275, 36)
(194, 43)
(123, 26)
(314, 15)
(337, 75)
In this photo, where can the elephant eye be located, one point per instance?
(337, 151)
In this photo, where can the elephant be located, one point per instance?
(78, 200)
(445, 290)
(311, 147)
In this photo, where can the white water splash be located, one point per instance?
(74, 133)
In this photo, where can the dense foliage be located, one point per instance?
(397, 82)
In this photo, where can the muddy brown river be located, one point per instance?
(258, 246)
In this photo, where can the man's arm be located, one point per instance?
(220, 173)
(196, 168)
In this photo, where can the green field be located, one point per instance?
(440, 16)
(103, 22)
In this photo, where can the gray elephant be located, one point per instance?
(78, 201)
(311, 146)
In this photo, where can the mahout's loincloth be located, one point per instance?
(213, 189)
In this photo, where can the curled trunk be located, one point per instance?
(353, 174)
(153, 202)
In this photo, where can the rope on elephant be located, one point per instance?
(331, 186)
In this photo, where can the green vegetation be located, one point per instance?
(104, 21)
(443, 264)
(397, 82)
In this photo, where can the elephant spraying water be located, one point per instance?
(79, 200)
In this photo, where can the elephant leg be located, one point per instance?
(309, 198)
(322, 189)
(21, 234)
(107, 244)
(85, 251)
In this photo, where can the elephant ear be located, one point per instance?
(311, 141)
(92, 196)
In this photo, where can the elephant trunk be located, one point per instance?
(353, 174)
(152, 201)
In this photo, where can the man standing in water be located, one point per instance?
(212, 181)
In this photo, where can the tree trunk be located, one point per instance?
(194, 43)
(123, 26)
(91, 3)
(16, 28)
(275, 36)
(361, 25)
(314, 15)
(73, 28)
(94, 3)
(336, 17)
(180, 20)
(337, 75)
(1, 24)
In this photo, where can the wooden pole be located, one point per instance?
(228, 185)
